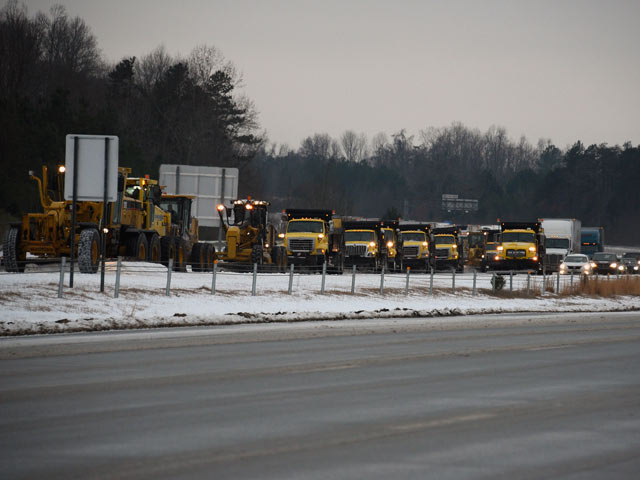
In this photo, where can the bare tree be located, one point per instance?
(319, 145)
(354, 146)
(152, 67)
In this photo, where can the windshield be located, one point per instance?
(445, 240)
(558, 243)
(304, 226)
(523, 237)
(576, 259)
(632, 255)
(412, 237)
(605, 257)
(476, 240)
(388, 235)
(359, 236)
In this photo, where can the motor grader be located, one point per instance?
(135, 227)
(249, 238)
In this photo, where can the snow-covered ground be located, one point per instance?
(30, 302)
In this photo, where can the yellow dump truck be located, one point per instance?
(314, 236)
(415, 247)
(447, 249)
(522, 246)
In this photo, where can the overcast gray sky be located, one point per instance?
(565, 70)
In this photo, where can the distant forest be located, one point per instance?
(54, 81)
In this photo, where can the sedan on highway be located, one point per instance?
(606, 263)
(631, 260)
(575, 263)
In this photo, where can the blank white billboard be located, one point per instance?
(210, 185)
(90, 166)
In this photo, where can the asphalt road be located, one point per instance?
(505, 397)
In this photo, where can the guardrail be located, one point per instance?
(321, 280)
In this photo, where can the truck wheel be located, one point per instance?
(198, 262)
(256, 254)
(154, 249)
(167, 250)
(14, 258)
(138, 247)
(88, 250)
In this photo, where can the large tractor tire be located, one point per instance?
(198, 257)
(167, 250)
(138, 247)
(180, 263)
(256, 255)
(210, 256)
(155, 250)
(89, 250)
(14, 257)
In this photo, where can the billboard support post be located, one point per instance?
(74, 201)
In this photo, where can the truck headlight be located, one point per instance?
(532, 249)
(281, 235)
(321, 235)
(614, 265)
(500, 248)
(425, 244)
(389, 244)
(372, 244)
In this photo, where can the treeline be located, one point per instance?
(407, 177)
(54, 81)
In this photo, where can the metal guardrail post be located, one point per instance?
(511, 280)
(453, 283)
(493, 283)
(544, 282)
(169, 269)
(324, 276)
(213, 277)
(473, 290)
(571, 283)
(528, 283)
(406, 286)
(558, 283)
(63, 263)
(353, 280)
(431, 282)
(116, 292)
(382, 281)
(290, 280)
(255, 279)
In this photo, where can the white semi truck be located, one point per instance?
(562, 238)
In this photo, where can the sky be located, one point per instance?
(563, 70)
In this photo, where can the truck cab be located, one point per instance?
(363, 244)
(390, 243)
(522, 246)
(447, 248)
(312, 237)
(415, 246)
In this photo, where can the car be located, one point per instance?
(632, 261)
(575, 263)
(604, 263)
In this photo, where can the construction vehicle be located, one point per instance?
(483, 246)
(522, 247)
(447, 248)
(249, 238)
(364, 244)
(313, 237)
(180, 242)
(562, 237)
(414, 239)
(47, 236)
(391, 244)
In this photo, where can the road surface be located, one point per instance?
(521, 396)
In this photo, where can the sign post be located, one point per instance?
(87, 156)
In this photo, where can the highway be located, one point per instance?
(518, 396)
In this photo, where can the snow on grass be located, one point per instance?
(30, 302)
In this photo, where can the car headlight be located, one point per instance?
(636, 267)
(562, 266)
(594, 265)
